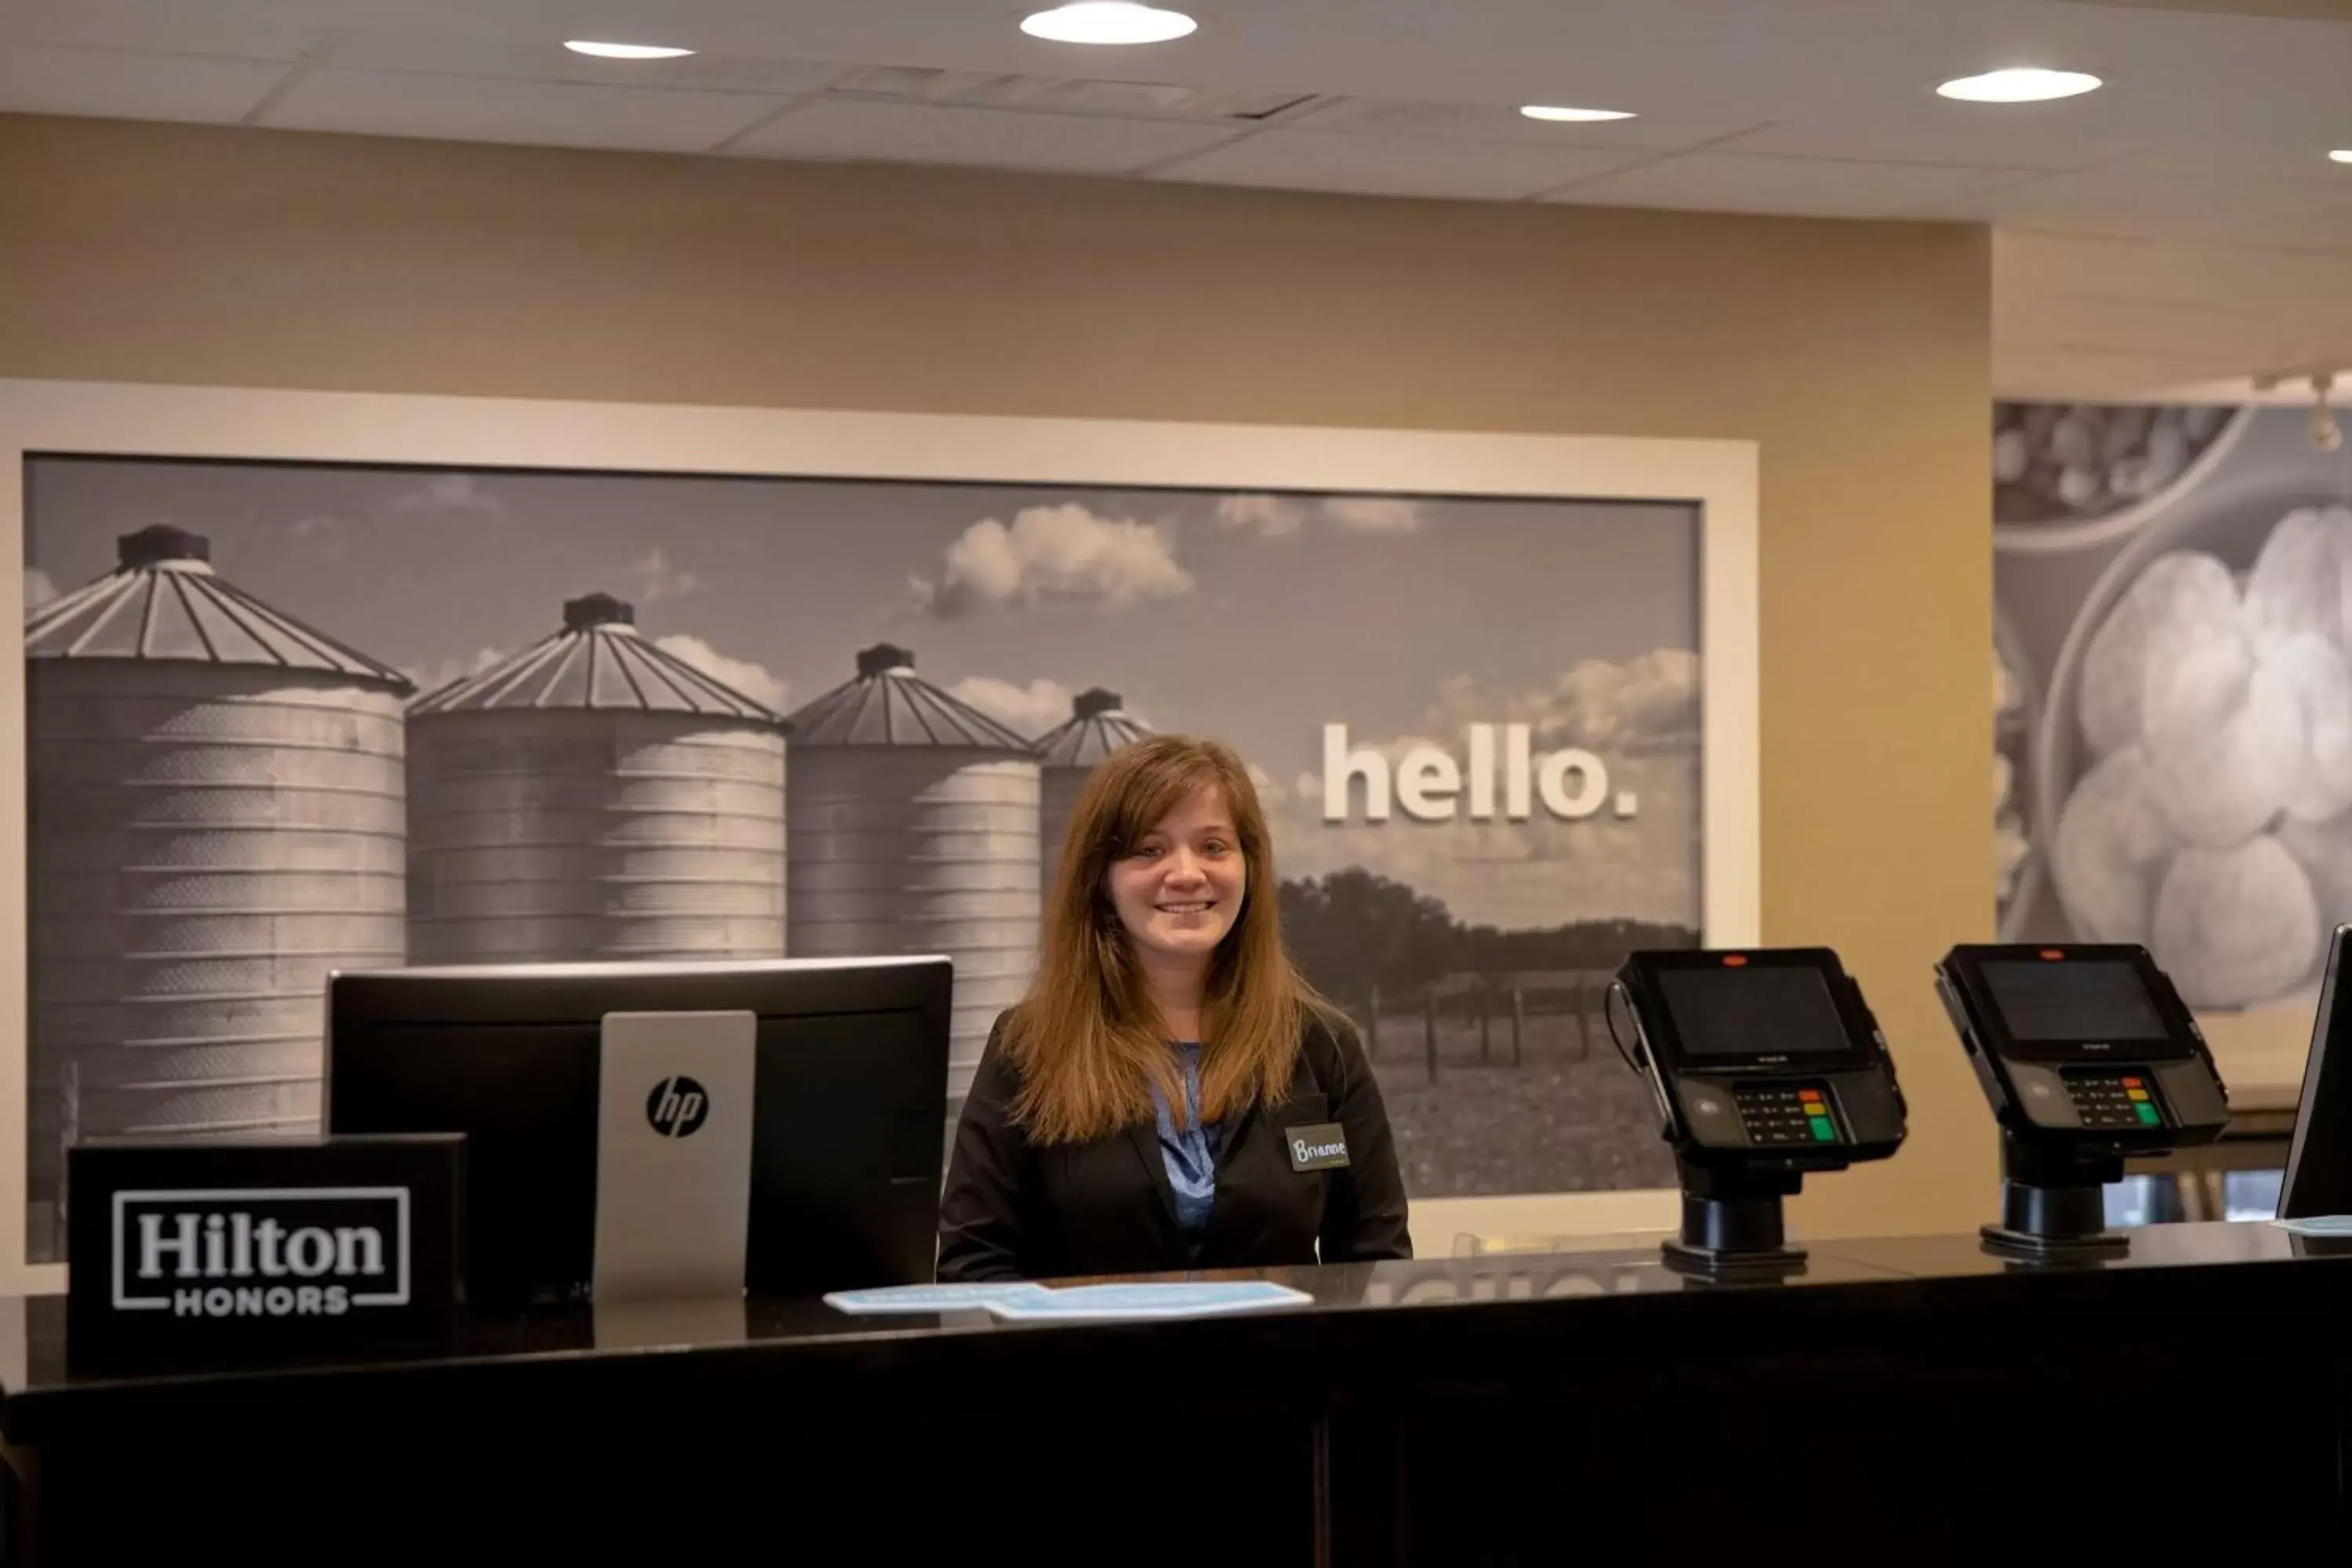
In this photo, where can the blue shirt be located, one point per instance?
(1191, 1153)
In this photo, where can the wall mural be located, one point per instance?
(2173, 696)
(288, 718)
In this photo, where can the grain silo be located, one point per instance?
(215, 822)
(1098, 725)
(914, 829)
(595, 797)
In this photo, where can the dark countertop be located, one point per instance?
(1447, 1317)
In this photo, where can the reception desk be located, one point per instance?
(1910, 1398)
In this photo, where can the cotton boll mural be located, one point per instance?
(2191, 765)
(2235, 926)
(2113, 841)
(2180, 599)
(2016, 864)
(2218, 717)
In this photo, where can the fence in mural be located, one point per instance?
(1509, 1013)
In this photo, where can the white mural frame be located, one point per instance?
(1718, 477)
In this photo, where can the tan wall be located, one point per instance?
(1857, 354)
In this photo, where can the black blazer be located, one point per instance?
(1016, 1210)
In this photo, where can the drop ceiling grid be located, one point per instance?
(561, 113)
(48, 78)
(875, 129)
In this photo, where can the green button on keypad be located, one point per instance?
(1822, 1132)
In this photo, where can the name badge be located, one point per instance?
(1322, 1147)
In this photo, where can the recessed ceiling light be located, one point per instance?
(2341, 156)
(1553, 111)
(2022, 84)
(1106, 22)
(624, 51)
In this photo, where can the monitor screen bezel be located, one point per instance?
(1646, 971)
(554, 1013)
(1967, 966)
(583, 992)
(2300, 1198)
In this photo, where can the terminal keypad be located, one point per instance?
(1786, 1115)
(2113, 1097)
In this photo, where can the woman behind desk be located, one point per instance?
(1171, 1094)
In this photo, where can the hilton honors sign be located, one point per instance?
(227, 1251)
(261, 1252)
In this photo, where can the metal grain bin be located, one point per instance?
(215, 822)
(1098, 725)
(914, 829)
(595, 797)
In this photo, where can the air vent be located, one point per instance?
(909, 81)
(727, 73)
(1411, 118)
(1155, 100)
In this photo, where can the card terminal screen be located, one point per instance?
(2043, 1002)
(1755, 1011)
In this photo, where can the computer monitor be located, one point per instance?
(2318, 1178)
(848, 1068)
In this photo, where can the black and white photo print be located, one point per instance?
(290, 717)
(2172, 669)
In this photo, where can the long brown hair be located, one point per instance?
(1086, 1040)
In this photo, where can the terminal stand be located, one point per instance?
(1765, 1064)
(1732, 1223)
(2053, 1205)
(2089, 1058)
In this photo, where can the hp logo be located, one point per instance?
(676, 1107)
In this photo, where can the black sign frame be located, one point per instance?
(185, 1255)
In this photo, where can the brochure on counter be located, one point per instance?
(1025, 1302)
(2318, 1224)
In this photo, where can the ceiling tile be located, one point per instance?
(2296, 162)
(2034, 272)
(2097, 373)
(448, 53)
(934, 133)
(2130, 203)
(552, 113)
(2065, 135)
(2090, 315)
(2320, 229)
(1368, 163)
(2210, 331)
(1064, 94)
(1818, 187)
(1502, 123)
(2313, 10)
(146, 27)
(38, 79)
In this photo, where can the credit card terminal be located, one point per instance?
(1764, 1063)
(2088, 1056)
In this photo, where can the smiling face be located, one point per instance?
(1178, 889)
